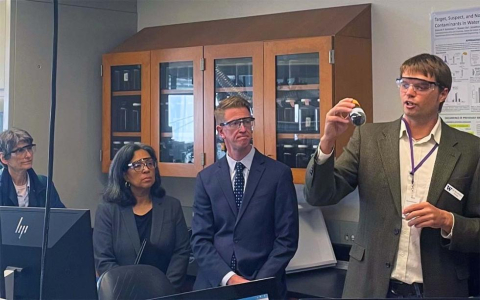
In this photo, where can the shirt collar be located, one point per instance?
(246, 161)
(436, 132)
(27, 184)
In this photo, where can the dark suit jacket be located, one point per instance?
(263, 234)
(116, 241)
(37, 195)
(371, 162)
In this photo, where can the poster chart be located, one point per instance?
(456, 39)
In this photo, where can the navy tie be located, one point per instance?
(238, 184)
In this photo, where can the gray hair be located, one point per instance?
(10, 138)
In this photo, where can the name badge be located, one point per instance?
(454, 192)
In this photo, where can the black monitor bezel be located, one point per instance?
(267, 286)
(83, 216)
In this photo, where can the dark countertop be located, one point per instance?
(319, 283)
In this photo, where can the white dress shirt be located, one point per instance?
(408, 264)
(247, 162)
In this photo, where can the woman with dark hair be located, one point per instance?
(135, 213)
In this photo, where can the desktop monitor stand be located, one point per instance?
(10, 274)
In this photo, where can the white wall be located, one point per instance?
(400, 29)
(2, 52)
(2, 44)
(87, 29)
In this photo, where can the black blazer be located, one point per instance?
(37, 195)
(116, 241)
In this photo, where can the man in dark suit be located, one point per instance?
(418, 181)
(245, 222)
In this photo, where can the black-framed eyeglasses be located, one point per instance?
(235, 124)
(419, 85)
(23, 150)
(138, 165)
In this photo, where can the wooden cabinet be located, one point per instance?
(177, 110)
(304, 79)
(126, 102)
(298, 93)
(232, 70)
(290, 82)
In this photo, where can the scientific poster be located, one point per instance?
(456, 39)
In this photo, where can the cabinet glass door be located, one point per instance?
(298, 93)
(126, 106)
(175, 111)
(233, 70)
(297, 105)
(126, 102)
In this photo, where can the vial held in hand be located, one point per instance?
(357, 115)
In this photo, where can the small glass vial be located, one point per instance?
(288, 156)
(136, 109)
(115, 147)
(280, 115)
(357, 115)
(290, 115)
(301, 158)
(308, 116)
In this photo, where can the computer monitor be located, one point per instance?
(262, 289)
(69, 269)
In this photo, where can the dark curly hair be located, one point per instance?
(116, 191)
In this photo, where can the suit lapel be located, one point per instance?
(158, 215)
(12, 195)
(224, 179)
(131, 227)
(36, 188)
(256, 172)
(445, 162)
(388, 145)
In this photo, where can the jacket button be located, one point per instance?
(235, 241)
(396, 231)
(388, 265)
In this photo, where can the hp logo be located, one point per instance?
(21, 229)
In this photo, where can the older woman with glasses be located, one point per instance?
(136, 222)
(19, 184)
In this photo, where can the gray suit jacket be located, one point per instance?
(116, 241)
(371, 162)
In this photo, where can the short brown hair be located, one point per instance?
(430, 65)
(10, 138)
(230, 102)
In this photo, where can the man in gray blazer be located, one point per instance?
(418, 181)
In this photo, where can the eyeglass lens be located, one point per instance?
(418, 85)
(139, 165)
(247, 122)
(23, 150)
